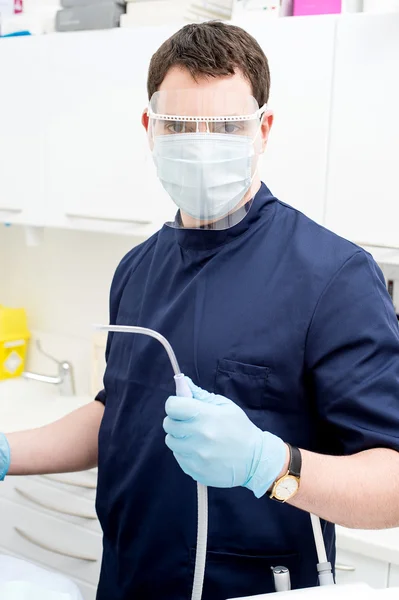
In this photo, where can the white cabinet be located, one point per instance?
(99, 172)
(393, 576)
(301, 56)
(355, 568)
(362, 192)
(21, 142)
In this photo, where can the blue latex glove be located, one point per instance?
(5, 456)
(216, 444)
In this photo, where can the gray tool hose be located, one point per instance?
(182, 389)
(324, 569)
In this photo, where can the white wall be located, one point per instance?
(63, 283)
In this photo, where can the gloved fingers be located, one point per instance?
(198, 393)
(177, 445)
(182, 409)
(179, 429)
(204, 396)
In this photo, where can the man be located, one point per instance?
(287, 328)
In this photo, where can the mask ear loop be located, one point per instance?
(262, 115)
(258, 154)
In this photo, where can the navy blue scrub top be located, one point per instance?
(280, 315)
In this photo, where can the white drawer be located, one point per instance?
(83, 483)
(52, 500)
(355, 568)
(62, 546)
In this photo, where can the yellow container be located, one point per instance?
(14, 336)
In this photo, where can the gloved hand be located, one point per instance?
(5, 456)
(215, 443)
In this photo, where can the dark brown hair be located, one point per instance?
(212, 49)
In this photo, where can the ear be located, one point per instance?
(145, 119)
(267, 122)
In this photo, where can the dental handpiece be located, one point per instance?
(282, 580)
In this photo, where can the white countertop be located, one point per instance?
(28, 404)
(330, 592)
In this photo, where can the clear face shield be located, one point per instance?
(206, 147)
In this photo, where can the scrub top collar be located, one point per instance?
(208, 239)
(223, 223)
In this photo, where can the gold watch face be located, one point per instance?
(286, 488)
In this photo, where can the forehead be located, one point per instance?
(180, 94)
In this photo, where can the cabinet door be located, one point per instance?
(21, 148)
(355, 568)
(99, 169)
(393, 576)
(363, 197)
(301, 56)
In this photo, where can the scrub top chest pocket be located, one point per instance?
(243, 383)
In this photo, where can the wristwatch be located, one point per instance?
(287, 486)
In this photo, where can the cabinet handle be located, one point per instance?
(63, 511)
(341, 567)
(87, 485)
(108, 219)
(44, 546)
(10, 209)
